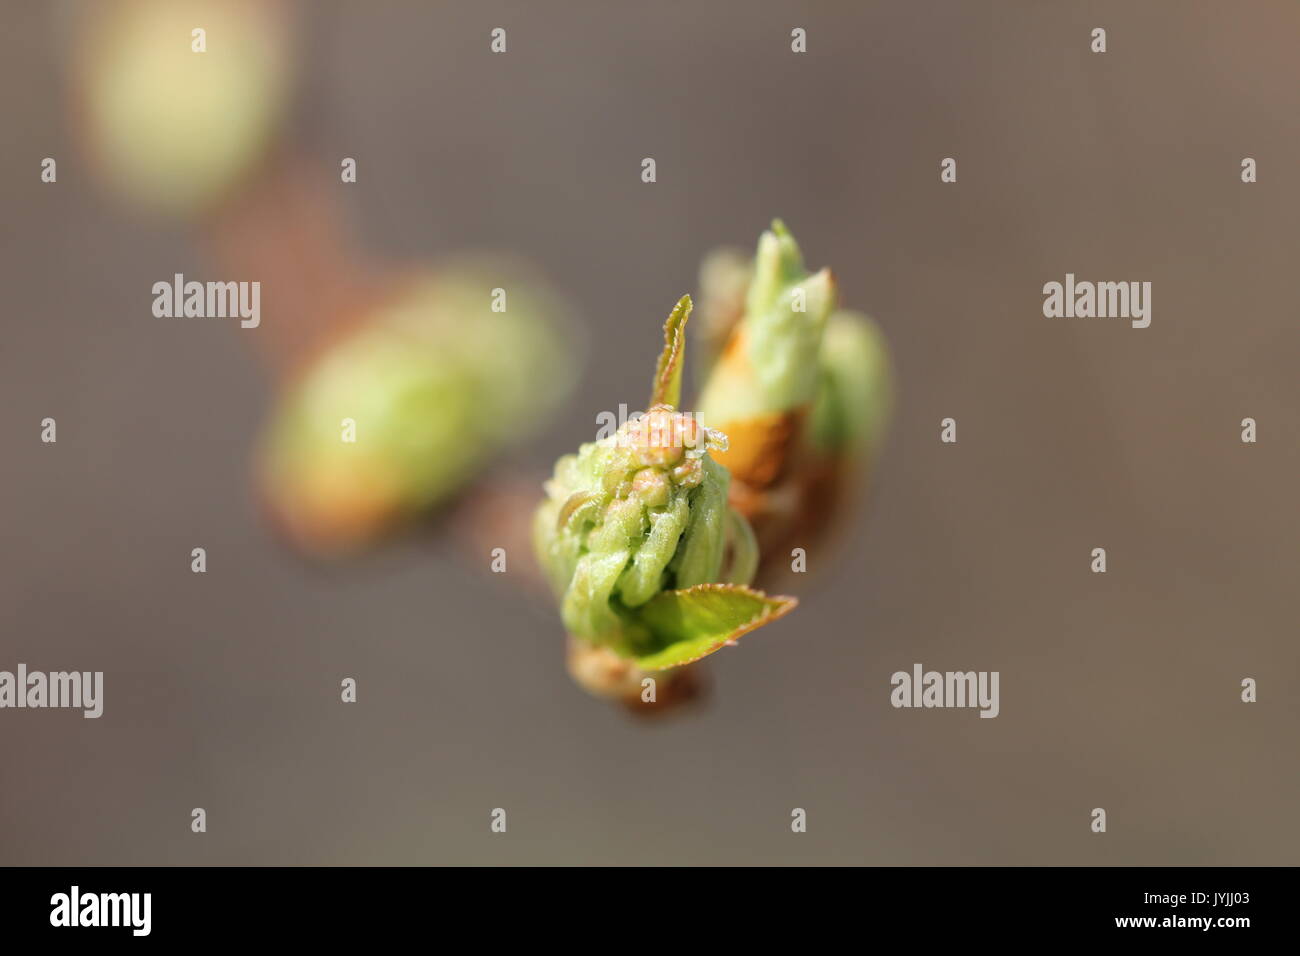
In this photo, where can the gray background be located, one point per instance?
(1118, 690)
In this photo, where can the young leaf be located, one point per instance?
(693, 623)
(667, 387)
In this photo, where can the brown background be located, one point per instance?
(1118, 690)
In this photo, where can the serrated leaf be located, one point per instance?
(667, 386)
(693, 623)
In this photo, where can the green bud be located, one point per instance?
(647, 559)
(802, 390)
(770, 366)
(640, 511)
(434, 383)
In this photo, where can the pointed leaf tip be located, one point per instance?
(693, 623)
(667, 386)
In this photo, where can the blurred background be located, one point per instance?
(1118, 690)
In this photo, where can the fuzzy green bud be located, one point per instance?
(637, 512)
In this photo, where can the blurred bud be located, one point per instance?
(724, 281)
(435, 383)
(171, 128)
(855, 396)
